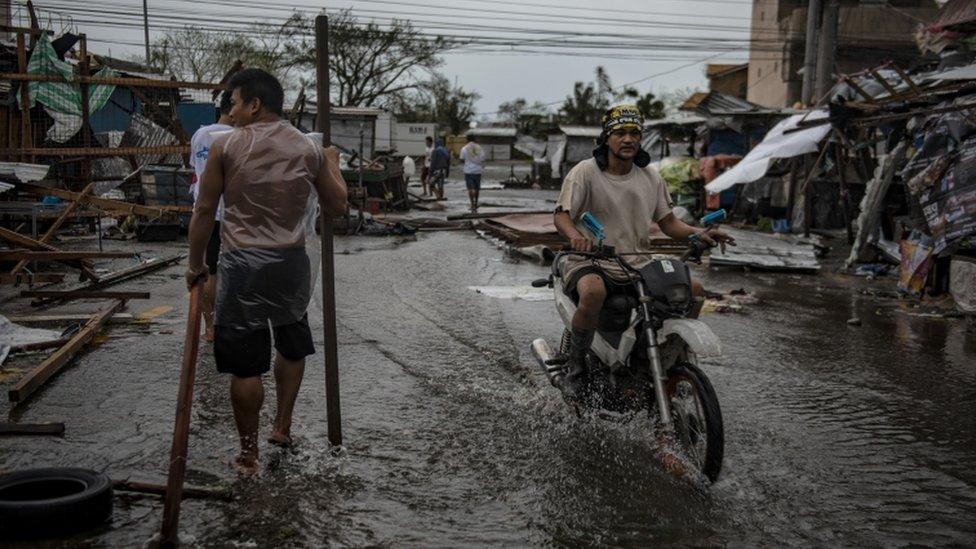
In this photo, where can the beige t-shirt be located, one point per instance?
(624, 204)
(269, 174)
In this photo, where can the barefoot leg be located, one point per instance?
(247, 396)
(288, 379)
(209, 297)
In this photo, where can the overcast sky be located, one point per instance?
(637, 38)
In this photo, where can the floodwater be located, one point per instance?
(835, 435)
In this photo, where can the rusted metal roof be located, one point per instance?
(716, 104)
(719, 69)
(954, 14)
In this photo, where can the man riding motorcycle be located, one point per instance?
(618, 188)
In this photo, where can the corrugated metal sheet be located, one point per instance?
(23, 171)
(581, 131)
(492, 132)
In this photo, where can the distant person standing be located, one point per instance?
(440, 163)
(473, 156)
(425, 170)
(199, 152)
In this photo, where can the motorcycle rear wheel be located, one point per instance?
(697, 417)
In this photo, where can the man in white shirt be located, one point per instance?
(199, 151)
(473, 156)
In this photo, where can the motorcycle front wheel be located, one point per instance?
(697, 418)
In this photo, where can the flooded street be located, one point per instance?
(835, 435)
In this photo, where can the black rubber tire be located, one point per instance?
(715, 447)
(53, 501)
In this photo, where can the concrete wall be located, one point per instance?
(868, 35)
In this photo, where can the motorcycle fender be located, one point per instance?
(699, 337)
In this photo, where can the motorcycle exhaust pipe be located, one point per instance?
(543, 354)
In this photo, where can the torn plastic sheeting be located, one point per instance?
(14, 334)
(776, 144)
(525, 293)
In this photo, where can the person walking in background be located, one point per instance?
(440, 163)
(425, 170)
(199, 151)
(473, 156)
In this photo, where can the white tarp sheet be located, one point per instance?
(776, 144)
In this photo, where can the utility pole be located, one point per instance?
(810, 53)
(145, 27)
(323, 124)
(827, 48)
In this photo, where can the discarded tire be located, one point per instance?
(54, 501)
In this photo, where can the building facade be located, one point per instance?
(870, 32)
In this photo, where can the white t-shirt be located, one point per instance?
(427, 152)
(409, 167)
(474, 158)
(200, 144)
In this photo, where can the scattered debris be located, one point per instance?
(53, 364)
(854, 321)
(767, 252)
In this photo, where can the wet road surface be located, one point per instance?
(835, 435)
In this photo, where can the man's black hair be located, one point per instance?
(429, 138)
(471, 138)
(262, 85)
(225, 102)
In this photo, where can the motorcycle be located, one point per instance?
(645, 352)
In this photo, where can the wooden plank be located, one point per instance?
(34, 245)
(113, 81)
(83, 294)
(53, 364)
(101, 151)
(120, 318)
(39, 346)
(45, 429)
(107, 203)
(31, 278)
(118, 276)
(189, 492)
(28, 255)
(25, 125)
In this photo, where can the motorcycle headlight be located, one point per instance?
(677, 295)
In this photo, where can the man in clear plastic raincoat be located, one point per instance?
(273, 180)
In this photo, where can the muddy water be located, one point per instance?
(835, 435)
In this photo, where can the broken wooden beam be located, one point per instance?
(54, 363)
(31, 429)
(118, 276)
(197, 492)
(39, 346)
(46, 237)
(106, 203)
(83, 294)
(33, 255)
(112, 81)
(25, 241)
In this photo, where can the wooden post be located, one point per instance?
(845, 197)
(25, 125)
(181, 428)
(328, 265)
(57, 224)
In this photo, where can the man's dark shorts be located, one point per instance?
(247, 353)
(213, 249)
(472, 181)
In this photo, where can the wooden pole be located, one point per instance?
(25, 125)
(328, 266)
(845, 195)
(181, 428)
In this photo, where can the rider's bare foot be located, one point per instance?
(281, 439)
(245, 465)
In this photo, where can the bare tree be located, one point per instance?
(371, 64)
